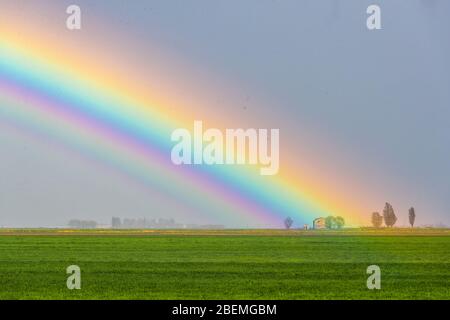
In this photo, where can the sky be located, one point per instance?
(364, 116)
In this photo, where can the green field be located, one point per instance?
(258, 264)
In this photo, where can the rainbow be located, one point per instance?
(111, 123)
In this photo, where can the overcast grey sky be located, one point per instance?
(381, 97)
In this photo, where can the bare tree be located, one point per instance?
(377, 219)
(412, 216)
(288, 222)
(389, 216)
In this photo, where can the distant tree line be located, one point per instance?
(82, 224)
(117, 223)
(161, 223)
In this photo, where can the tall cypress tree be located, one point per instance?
(389, 216)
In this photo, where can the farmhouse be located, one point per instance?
(319, 223)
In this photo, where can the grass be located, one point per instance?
(206, 264)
